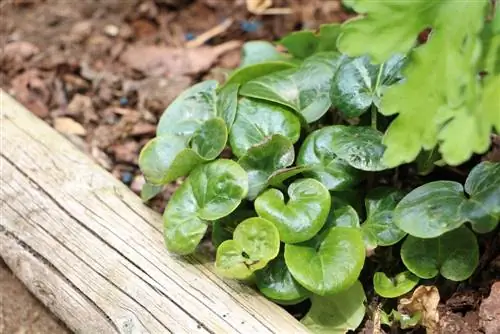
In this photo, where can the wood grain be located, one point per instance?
(88, 248)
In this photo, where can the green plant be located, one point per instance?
(308, 187)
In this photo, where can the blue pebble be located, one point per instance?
(189, 36)
(250, 26)
(127, 177)
(123, 101)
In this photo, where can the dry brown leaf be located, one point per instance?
(425, 299)
(30, 89)
(161, 60)
(69, 126)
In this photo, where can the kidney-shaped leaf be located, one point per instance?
(261, 161)
(338, 313)
(341, 214)
(211, 192)
(276, 283)
(394, 287)
(189, 110)
(329, 263)
(454, 254)
(302, 216)
(223, 229)
(326, 167)
(379, 225)
(257, 120)
(255, 243)
(358, 84)
(305, 89)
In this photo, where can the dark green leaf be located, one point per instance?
(305, 89)
(394, 287)
(301, 44)
(426, 161)
(210, 138)
(329, 263)
(302, 216)
(254, 71)
(338, 313)
(258, 120)
(261, 161)
(454, 254)
(254, 52)
(276, 283)
(328, 34)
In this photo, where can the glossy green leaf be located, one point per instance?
(254, 52)
(338, 313)
(278, 178)
(454, 254)
(210, 138)
(302, 216)
(210, 192)
(189, 110)
(223, 229)
(255, 242)
(426, 161)
(254, 71)
(149, 191)
(305, 89)
(316, 152)
(258, 120)
(329, 263)
(301, 44)
(358, 84)
(276, 283)
(261, 161)
(341, 214)
(227, 103)
(379, 225)
(396, 286)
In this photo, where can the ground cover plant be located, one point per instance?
(304, 165)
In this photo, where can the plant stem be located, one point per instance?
(374, 116)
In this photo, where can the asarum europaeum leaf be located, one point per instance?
(302, 216)
(329, 263)
(257, 120)
(442, 206)
(395, 286)
(210, 192)
(455, 255)
(255, 242)
(251, 72)
(223, 229)
(277, 283)
(337, 313)
(305, 89)
(261, 161)
(255, 52)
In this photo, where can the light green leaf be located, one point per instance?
(148, 191)
(396, 286)
(301, 44)
(254, 71)
(358, 84)
(341, 214)
(302, 216)
(329, 263)
(223, 229)
(209, 139)
(276, 283)
(258, 120)
(227, 103)
(379, 225)
(281, 175)
(210, 192)
(328, 34)
(255, 242)
(189, 110)
(338, 313)
(316, 151)
(305, 89)
(254, 52)
(454, 254)
(261, 161)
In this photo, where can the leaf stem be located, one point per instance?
(373, 111)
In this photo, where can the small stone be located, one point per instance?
(111, 30)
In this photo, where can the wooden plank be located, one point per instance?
(87, 247)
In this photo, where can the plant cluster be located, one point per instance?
(301, 196)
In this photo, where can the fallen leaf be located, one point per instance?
(19, 51)
(142, 129)
(81, 105)
(489, 311)
(30, 89)
(127, 152)
(425, 299)
(164, 60)
(68, 125)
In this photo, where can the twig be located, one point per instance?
(217, 30)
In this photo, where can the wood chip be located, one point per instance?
(68, 125)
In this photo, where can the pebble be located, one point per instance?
(111, 30)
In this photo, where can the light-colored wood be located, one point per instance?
(87, 247)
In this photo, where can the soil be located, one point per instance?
(102, 72)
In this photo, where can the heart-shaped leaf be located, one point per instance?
(255, 242)
(258, 120)
(189, 110)
(276, 283)
(305, 89)
(329, 263)
(167, 157)
(454, 254)
(394, 287)
(341, 214)
(379, 225)
(301, 44)
(210, 192)
(326, 167)
(358, 84)
(302, 216)
(227, 103)
(278, 178)
(223, 229)
(254, 52)
(261, 161)
(254, 71)
(430, 210)
(338, 313)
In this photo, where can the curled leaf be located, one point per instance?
(423, 302)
